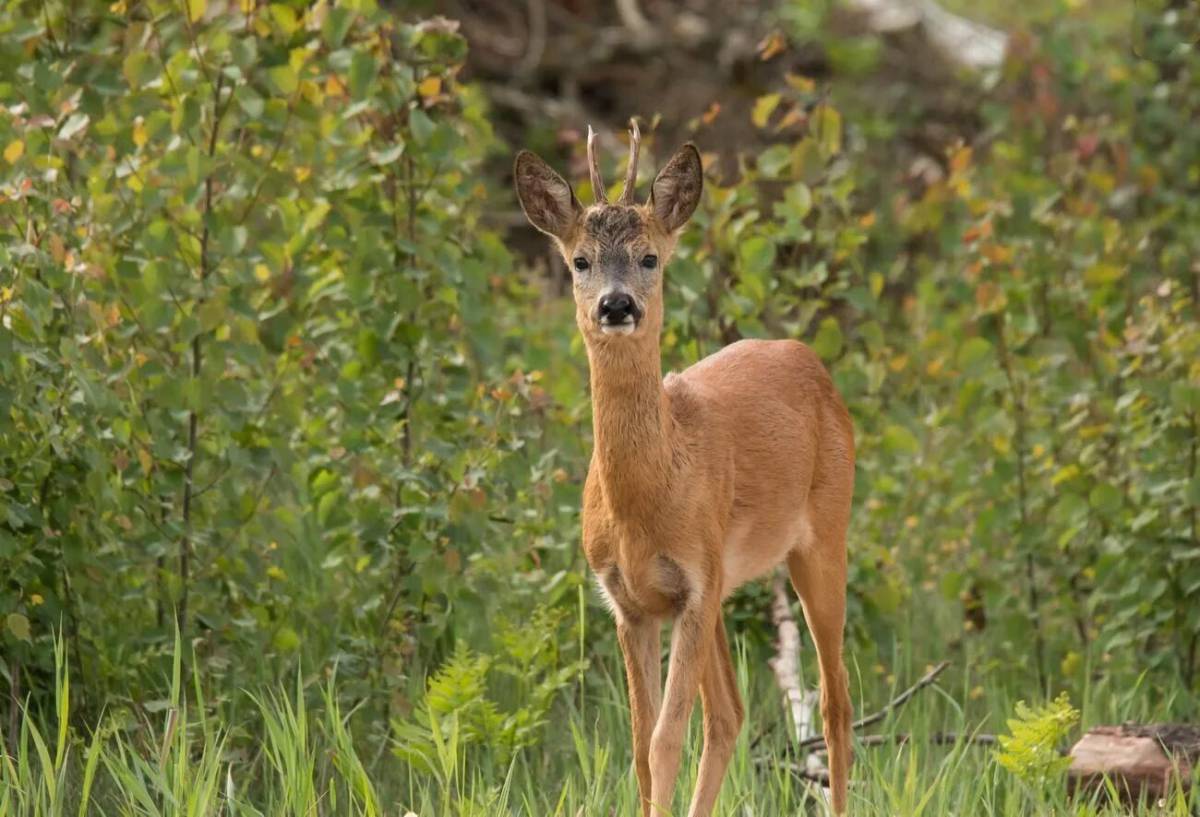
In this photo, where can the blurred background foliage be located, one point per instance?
(282, 367)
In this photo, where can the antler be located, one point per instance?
(635, 141)
(594, 169)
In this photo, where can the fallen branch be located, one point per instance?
(897, 702)
(934, 738)
(820, 776)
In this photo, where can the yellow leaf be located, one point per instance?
(764, 106)
(262, 273)
(771, 46)
(139, 132)
(1071, 663)
(1102, 273)
(876, 281)
(996, 253)
(311, 91)
(196, 9)
(430, 87)
(802, 84)
(827, 127)
(14, 151)
(1065, 474)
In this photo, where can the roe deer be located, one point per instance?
(698, 482)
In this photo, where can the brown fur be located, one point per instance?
(699, 482)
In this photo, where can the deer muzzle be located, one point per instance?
(617, 313)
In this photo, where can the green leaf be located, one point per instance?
(18, 625)
(757, 255)
(284, 17)
(898, 439)
(1105, 498)
(286, 640)
(972, 352)
(337, 25)
(421, 125)
(773, 161)
(139, 68)
(828, 342)
(196, 9)
(362, 74)
(284, 78)
(797, 201)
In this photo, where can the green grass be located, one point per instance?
(303, 760)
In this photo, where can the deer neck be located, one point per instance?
(632, 425)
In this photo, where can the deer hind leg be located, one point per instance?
(819, 576)
(723, 716)
(643, 671)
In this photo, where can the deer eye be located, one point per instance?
(581, 264)
(650, 261)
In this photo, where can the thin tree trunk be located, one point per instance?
(1020, 419)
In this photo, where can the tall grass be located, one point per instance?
(302, 759)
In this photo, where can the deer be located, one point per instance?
(699, 481)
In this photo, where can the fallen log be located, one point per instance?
(1141, 761)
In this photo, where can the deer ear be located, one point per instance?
(547, 199)
(676, 190)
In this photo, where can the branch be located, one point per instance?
(935, 739)
(897, 702)
(786, 665)
(819, 776)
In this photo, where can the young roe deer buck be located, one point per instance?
(698, 482)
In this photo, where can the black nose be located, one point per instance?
(616, 307)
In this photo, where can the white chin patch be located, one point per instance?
(625, 328)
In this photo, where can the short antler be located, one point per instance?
(635, 141)
(594, 169)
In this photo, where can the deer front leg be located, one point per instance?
(691, 641)
(643, 672)
(723, 716)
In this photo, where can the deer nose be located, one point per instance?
(617, 307)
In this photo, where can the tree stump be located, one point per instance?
(1141, 761)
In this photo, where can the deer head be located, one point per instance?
(616, 251)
